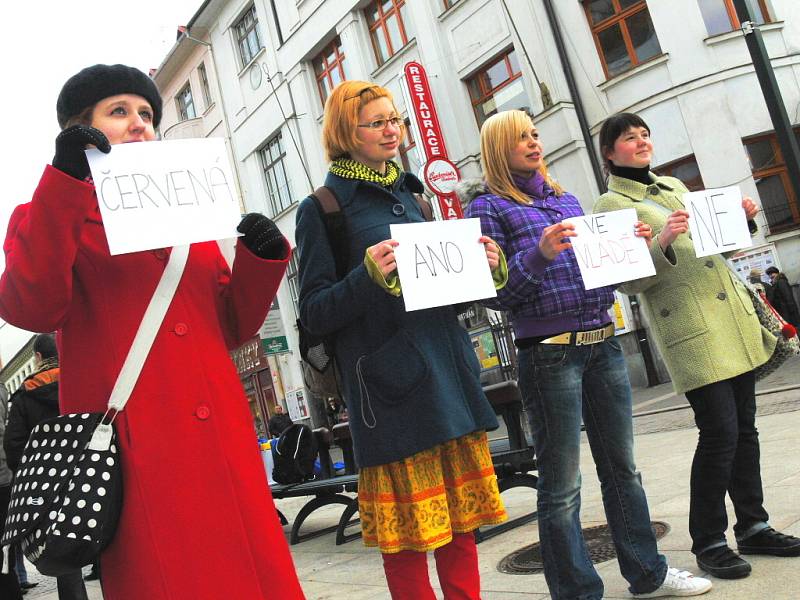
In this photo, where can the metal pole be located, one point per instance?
(772, 94)
(576, 98)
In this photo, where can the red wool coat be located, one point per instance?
(198, 520)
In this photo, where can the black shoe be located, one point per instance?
(28, 585)
(724, 563)
(768, 541)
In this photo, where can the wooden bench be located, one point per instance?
(514, 457)
(327, 489)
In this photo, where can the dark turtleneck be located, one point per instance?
(640, 174)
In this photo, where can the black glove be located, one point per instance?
(262, 237)
(70, 145)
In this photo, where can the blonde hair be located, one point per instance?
(500, 134)
(339, 125)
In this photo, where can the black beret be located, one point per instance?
(92, 84)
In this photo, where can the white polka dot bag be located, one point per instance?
(67, 494)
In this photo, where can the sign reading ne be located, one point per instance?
(717, 220)
(441, 263)
(162, 194)
(608, 252)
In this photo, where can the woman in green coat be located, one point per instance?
(709, 335)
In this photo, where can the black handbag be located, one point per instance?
(67, 493)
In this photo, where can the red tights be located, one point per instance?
(456, 565)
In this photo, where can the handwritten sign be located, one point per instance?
(441, 263)
(607, 250)
(161, 194)
(717, 221)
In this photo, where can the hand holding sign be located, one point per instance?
(607, 249)
(553, 241)
(441, 262)
(717, 220)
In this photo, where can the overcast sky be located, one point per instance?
(42, 44)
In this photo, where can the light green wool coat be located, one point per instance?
(701, 315)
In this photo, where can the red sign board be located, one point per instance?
(431, 139)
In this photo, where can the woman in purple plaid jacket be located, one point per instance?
(571, 367)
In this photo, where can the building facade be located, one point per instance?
(681, 64)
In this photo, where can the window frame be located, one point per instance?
(483, 81)
(205, 86)
(408, 144)
(667, 170)
(777, 168)
(325, 68)
(380, 24)
(620, 17)
(183, 106)
(242, 33)
(734, 18)
(267, 166)
(293, 282)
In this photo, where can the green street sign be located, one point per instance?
(275, 345)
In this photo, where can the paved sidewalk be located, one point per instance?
(665, 443)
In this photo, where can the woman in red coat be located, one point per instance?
(197, 520)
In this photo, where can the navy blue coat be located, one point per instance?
(410, 379)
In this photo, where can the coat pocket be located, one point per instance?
(395, 370)
(742, 294)
(677, 315)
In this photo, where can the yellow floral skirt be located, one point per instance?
(418, 503)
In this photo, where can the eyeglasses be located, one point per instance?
(380, 124)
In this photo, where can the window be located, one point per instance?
(497, 86)
(185, 103)
(201, 71)
(247, 38)
(408, 158)
(777, 196)
(293, 283)
(272, 161)
(329, 68)
(387, 27)
(686, 170)
(623, 33)
(720, 15)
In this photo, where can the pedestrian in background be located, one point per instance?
(418, 415)
(279, 422)
(35, 401)
(571, 369)
(9, 584)
(703, 321)
(197, 518)
(782, 297)
(755, 278)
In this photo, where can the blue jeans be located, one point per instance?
(559, 385)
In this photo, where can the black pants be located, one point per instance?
(71, 587)
(727, 459)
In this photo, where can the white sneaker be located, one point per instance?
(679, 583)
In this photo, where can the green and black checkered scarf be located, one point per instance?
(352, 169)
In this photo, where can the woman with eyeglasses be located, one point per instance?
(410, 380)
(571, 370)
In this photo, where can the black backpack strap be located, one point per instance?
(335, 226)
(425, 207)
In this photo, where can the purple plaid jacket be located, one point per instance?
(544, 297)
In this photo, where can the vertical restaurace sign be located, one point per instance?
(441, 175)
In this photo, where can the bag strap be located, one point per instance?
(153, 317)
(335, 227)
(424, 206)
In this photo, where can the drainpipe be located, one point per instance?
(599, 178)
